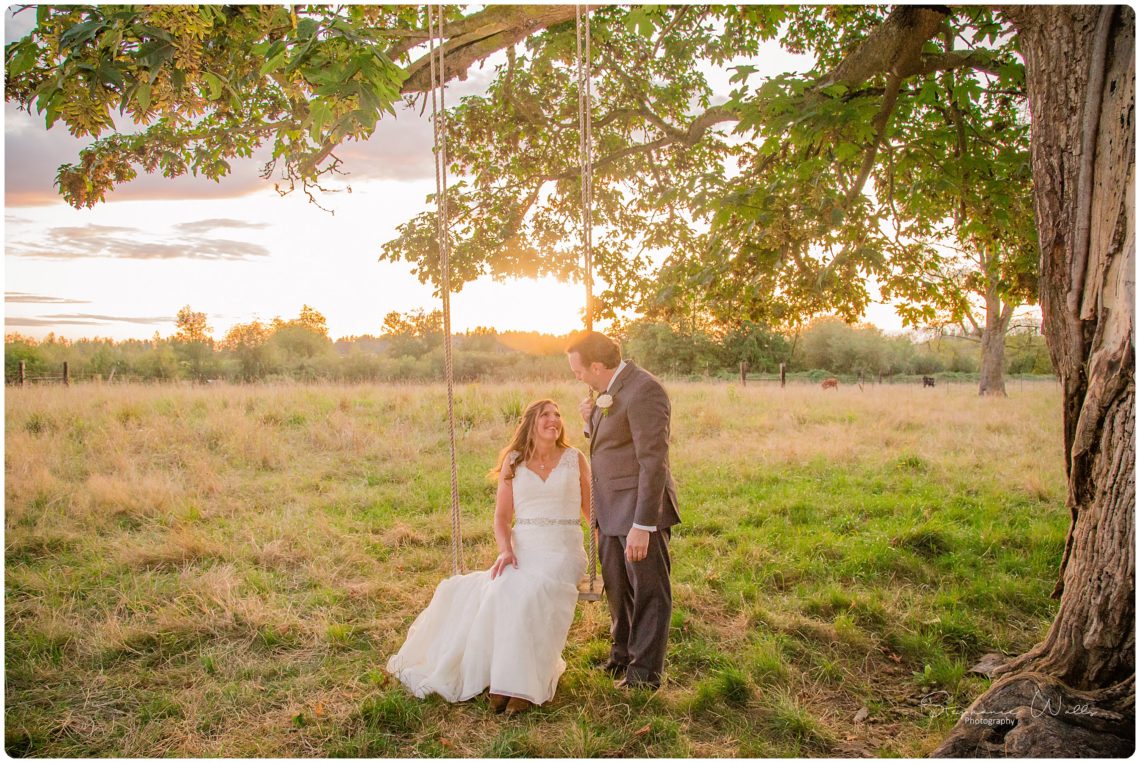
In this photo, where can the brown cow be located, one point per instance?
(832, 383)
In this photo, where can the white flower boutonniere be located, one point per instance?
(604, 402)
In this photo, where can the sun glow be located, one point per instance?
(545, 305)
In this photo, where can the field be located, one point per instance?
(224, 571)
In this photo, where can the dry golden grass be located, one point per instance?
(224, 570)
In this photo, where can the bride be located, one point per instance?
(504, 628)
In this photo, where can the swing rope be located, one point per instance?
(439, 122)
(586, 155)
(586, 160)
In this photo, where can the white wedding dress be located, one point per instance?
(506, 634)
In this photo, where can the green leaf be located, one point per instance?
(111, 74)
(22, 61)
(80, 33)
(142, 97)
(274, 63)
(319, 114)
(214, 83)
(638, 20)
(845, 151)
(741, 73)
(306, 28)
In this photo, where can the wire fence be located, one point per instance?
(18, 376)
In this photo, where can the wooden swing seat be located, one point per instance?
(588, 592)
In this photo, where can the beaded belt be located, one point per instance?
(543, 522)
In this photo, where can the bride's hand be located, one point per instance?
(501, 562)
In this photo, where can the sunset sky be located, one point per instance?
(238, 251)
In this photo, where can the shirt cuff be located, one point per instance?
(647, 528)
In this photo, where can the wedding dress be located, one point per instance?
(508, 633)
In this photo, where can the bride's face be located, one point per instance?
(548, 424)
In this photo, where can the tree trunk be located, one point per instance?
(1075, 691)
(992, 372)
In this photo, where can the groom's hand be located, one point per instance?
(636, 544)
(586, 408)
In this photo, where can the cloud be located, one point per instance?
(33, 155)
(85, 319)
(399, 149)
(25, 298)
(202, 226)
(118, 242)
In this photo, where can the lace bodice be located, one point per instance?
(558, 498)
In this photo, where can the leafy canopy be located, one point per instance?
(909, 130)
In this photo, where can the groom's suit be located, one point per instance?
(632, 484)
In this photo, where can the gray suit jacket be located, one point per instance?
(629, 456)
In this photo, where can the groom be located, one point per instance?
(634, 500)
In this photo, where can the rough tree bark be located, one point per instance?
(1074, 693)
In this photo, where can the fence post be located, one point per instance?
(783, 375)
(66, 375)
(23, 372)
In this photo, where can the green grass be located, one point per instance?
(224, 571)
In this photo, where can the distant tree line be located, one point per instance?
(826, 344)
(409, 347)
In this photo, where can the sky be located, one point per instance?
(238, 251)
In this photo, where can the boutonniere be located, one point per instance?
(604, 402)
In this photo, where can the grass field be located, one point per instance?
(224, 571)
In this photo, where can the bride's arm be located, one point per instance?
(504, 515)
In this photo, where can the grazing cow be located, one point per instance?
(832, 383)
(927, 381)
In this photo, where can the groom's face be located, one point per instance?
(591, 374)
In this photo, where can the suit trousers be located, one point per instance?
(641, 605)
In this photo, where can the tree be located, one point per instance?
(791, 230)
(193, 343)
(248, 341)
(211, 82)
(313, 320)
(1081, 71)
(758, 346)
(415, 333)
(192, 327)
(959, 188)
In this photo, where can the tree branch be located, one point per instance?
(981, 60)
(690, 137)
(889, 98)
(474, 38)
(894, 47)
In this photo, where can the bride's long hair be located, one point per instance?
(522, 442)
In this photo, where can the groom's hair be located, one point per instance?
(594, 347)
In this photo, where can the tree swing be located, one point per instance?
(590, 588)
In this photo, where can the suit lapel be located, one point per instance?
(596, 417)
